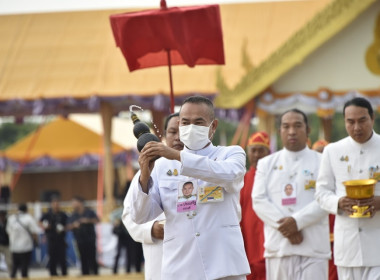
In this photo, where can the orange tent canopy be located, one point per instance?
(61, 139)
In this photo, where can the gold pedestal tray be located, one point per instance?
(360, 189)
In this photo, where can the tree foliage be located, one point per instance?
(10, 133)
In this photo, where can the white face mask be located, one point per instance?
(195, 137)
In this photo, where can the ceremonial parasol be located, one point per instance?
(170, 36)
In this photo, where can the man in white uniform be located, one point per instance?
(151, 234)
(356, 241)
(296, 229)
(202, 239)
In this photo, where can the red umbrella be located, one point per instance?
(170, 36)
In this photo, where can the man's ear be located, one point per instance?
(212, 130)
(215, 125)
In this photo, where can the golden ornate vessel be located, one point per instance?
(360, 189)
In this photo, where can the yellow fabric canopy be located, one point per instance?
(60, 139)
(73, 54)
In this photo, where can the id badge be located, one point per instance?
(187, 196)
(376, 176)
(309, 180)
(289, 194)
(210, 194)
(374, 173)
(309, 184)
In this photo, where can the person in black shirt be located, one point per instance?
(82, 223)
(134, 251)
(54, 223)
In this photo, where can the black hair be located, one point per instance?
(297, 111)
(168, 119)
(22, 207)
(359, 102)
(198, 99)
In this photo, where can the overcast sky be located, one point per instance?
(37, 6)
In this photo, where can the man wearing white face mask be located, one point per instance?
(202, 234)
(196, 137)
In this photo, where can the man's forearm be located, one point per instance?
(144, 183)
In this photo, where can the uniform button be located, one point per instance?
(195, 213)
(197, 234)
(360, 229)
(361, 171)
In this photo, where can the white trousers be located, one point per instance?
(296, 268)
(359, 273)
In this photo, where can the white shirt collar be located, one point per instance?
(202, 152)
(364, 145)
(295, 155)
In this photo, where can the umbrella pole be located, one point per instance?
(163, 4)
(171, 83)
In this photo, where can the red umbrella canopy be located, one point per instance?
(192, 35)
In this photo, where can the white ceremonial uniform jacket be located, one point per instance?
(206, 243)
(143, 233)
(356, 241)
(273, 173)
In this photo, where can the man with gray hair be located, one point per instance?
(202, 238)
